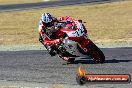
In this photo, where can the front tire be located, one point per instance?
(96, 54)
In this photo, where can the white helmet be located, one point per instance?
(46, 18)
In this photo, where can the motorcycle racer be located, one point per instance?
(68, 38)
(47, 30)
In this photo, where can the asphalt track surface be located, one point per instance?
(17, 7)
(38, 67)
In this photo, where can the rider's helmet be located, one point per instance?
(47, 20)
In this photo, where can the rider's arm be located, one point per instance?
(41, 27)
(46, 39)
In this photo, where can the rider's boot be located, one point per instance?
(51, 50)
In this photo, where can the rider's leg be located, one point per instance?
(51, 49)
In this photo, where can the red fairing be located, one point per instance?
(76, 39)
(81, 40)
(60, 33)
(84, 43)
(51, 42)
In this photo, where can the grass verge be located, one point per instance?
(109, 22)
(3, 2)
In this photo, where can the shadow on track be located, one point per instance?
(116, 61)
(86, 61)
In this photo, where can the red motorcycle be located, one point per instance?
(75, 43)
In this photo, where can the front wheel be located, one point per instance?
(96, 53)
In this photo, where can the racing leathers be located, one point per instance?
(47, 36)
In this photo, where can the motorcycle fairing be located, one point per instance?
(71, 47)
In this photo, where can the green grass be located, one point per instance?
(104, 22)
